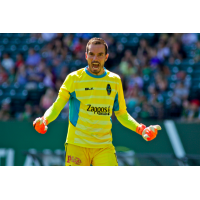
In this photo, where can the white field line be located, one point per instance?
(174, 138)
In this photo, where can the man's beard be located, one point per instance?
(95, 71)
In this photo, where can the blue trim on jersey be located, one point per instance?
(95, 76)
(74, 107)
(116, 103)
(111, 120)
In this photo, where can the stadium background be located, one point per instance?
(161, 81)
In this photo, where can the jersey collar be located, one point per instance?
(95, 76)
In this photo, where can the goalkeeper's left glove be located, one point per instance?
(40, 125)
(148, 133)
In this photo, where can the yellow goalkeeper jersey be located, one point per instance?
(92, 99)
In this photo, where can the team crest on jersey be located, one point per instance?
(108, 89)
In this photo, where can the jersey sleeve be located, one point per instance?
(63, 97)
(119, 103)
(120, 111)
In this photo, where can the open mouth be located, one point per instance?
(95, 65)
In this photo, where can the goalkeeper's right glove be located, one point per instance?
(40, 125)
(148, 133)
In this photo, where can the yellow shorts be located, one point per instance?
(81, 156)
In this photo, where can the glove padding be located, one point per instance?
(150, 132)
(40, 125)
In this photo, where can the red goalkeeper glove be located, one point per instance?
(148, 133)
(40, 125)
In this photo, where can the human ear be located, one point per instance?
(106, 57)
(86, 57)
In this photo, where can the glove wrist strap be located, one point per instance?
(45, 120)
(140, 129)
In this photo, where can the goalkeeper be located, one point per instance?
(93, 93)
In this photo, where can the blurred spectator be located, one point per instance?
(189, 38)
(48, 79)
(180, 94)
(154, 60)
(143, 51)
(156, 101)
(7, 62)
(185, 110)
(175, 110)
(64, 72)
(79, 50)
(48, 99)
(47, 51)
(79, 46)
(134, 81)
(28, 113)
(177, 52)
(12, 75)
(194, 110)
(191, 111)
(119, 48)
(164, 70)
(132, 97)
(182, 77)
(129, 64)
(34, 37)
(147, 110)
(161, 82)
(128, 57)
(58, 84)
(5, 112)
(41, 65)
(3, 75)
(34, 75)
(33, 57)
(60, 36)
(108, 38)
(19, 60)
(47, 37)
(21, 75)
(127, 68)
(68, 40)
(163, 50)
(58, 47)
(197, 52)
(144, 69)
(181, 91)
(37, 111)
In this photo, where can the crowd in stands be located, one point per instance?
(155, 87)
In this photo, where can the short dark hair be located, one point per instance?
(97, 41)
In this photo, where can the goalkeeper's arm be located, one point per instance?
(40, 124)
(148, 133)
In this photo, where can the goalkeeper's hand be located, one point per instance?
(40, 125)
(148, 133)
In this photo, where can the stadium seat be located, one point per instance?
(175, 70)
(4, 41)
(10, 48)
(187, 62)
(2, 47)
(23, 48)
(196, 76)
(15, 41)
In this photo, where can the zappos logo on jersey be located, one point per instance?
(99, 110)
(108, 89)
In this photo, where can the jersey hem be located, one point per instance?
(89, 146)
